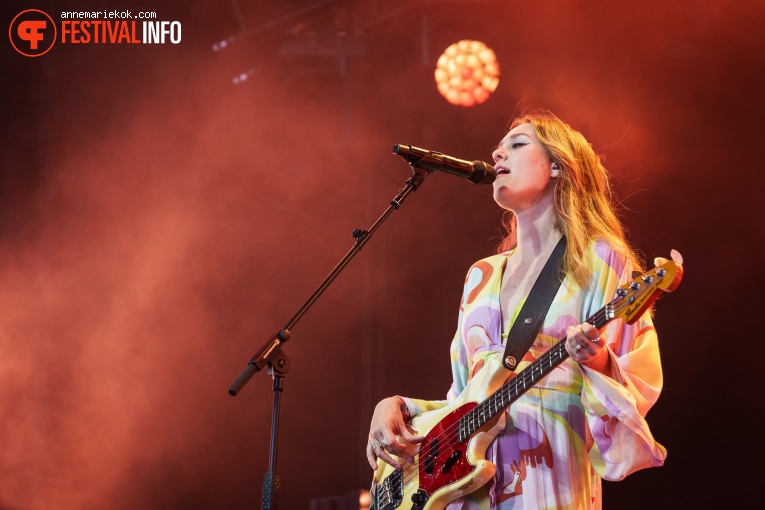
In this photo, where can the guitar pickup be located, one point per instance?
(431, 456)
(454, 457)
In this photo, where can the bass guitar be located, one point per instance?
(451, 461)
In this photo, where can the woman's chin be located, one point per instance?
(503, 199)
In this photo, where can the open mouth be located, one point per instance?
(502, 170)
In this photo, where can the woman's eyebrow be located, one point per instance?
(512, 137)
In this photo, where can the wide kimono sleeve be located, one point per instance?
(620, 440)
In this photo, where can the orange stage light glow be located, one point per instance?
(467, 73)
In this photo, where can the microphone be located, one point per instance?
(476, 172)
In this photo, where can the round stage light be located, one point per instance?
(467, 73)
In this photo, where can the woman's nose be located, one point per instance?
(498, 155)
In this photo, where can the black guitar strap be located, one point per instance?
(531, 316)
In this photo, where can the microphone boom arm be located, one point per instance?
(476, 172)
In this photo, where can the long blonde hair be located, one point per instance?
(584, 208)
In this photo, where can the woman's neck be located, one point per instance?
(536, 230)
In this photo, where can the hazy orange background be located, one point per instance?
(158, 222)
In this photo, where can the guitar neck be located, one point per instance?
(500, 400)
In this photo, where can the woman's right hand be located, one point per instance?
(389, 435)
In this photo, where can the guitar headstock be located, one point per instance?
(634, 298)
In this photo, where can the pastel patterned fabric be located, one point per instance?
(576, 425)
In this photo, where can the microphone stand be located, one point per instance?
(272, 355)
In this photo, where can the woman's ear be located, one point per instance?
(555, 170)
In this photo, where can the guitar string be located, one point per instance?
(450, 434)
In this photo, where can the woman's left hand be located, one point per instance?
(587, 346)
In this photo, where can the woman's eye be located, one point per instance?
(517, 144)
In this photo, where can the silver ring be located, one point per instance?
(577, 348)
(375, 445)
(384, 443)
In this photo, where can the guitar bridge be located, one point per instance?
(390, 493)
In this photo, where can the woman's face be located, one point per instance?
(524, 170)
